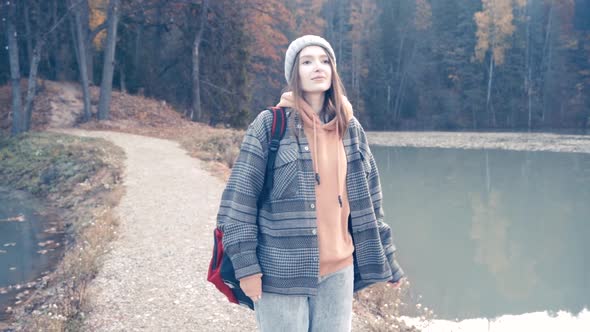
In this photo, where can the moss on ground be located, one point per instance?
(45, 163)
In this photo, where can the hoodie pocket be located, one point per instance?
(286, 175)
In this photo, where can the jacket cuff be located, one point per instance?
(396, 271)
(246, 270)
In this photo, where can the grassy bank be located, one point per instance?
(80, 178)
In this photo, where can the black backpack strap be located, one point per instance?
(278, 129)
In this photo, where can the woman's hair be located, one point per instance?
(333, 104)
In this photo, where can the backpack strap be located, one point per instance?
(278, 129)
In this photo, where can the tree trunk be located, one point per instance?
(490, 79)
(398, 70)
(135, 74)
(55, 50)
(528, 70)
(122, 78)
(399, 73)
(530, 99)
(398, 97)
(32, 86)
(84, 13)
(197, 111)
(106, 86)
(402, 85)
(388, 98)
(28, 31)
(329, 18)
(14, 69)
(80, 41)
(341, 32)
(546, 60)
(355, 73)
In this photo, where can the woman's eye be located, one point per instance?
(306, 62)
(326, 61)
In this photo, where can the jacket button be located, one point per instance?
(314, 232)
(312, 206)
(298, 126)
(306, 148)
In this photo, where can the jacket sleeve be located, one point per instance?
(377, 199)
(237, 216)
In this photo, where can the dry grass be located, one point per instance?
(62, 308)
(84, 186)
(382, 305)
(218, 148)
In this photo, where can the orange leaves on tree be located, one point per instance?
(266, 23)
(494, 27)
(308, 17)
(98, 15)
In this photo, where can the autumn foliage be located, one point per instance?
(408, 64)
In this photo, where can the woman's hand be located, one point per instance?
(252, 286)
(396, 284)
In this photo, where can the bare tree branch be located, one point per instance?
(96, 31)
(218, 87)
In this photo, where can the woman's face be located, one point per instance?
(315, 72)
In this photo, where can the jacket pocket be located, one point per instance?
(286, 175)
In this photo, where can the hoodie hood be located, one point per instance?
(309, 116)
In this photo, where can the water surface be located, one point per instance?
(29, 245)
(484, 233)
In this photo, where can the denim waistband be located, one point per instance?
(341, 271)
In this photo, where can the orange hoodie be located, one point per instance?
(332, 208)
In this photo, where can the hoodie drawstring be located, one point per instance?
(315, 158)
(338, 169)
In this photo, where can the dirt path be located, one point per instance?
(65, 106)
(154, 279)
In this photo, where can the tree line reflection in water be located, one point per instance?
(483, 233)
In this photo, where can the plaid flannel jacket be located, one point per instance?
(279, 238)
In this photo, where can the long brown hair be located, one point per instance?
(333, 104)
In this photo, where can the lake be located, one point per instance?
(29, 244)
(486, 233)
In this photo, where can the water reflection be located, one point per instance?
(486, 233)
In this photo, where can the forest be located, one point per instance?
(477, 65)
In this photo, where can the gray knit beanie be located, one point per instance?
(300, 43)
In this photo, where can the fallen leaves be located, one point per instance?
(18, 218)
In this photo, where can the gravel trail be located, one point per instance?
(154, 278)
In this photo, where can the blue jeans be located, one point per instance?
(329, 311)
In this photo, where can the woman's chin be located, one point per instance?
(316, 89)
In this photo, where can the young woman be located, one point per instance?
(318, 235)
